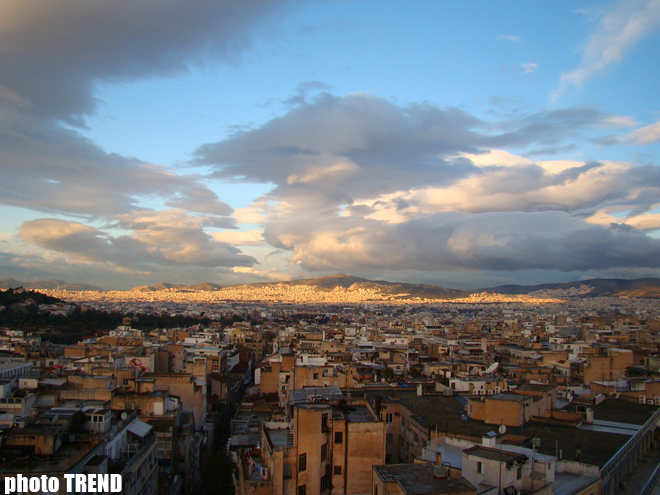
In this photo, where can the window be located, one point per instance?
(337, 470)
(389, 439)
(339, 437)
(288, 471)
(324, 452)
(480, 468)
(389, 418)
(325, 483)
(324, 422)
(518, 473)
(316, 376)
(388, 459)
(302, 490)
(302, 464)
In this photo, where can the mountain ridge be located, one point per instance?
(11, 283)
(639, 288)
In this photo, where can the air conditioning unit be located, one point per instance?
(490, 392)
(642, 399)
(657, 401)
(482, 392)
(498, 390)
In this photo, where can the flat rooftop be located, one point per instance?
(495, 454)
(596, 447)
(279, 438)
(445, 414)
(622, 411)
(417, 479)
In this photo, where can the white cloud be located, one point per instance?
(529, 67)
(234, 238)
(496, 158)
(646, 135)
(617, 32)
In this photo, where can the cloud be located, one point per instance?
(455, 242)
(49, 168)
(646, 135)
(167, 238)
(55, 51)
(617, 32)
(303, 92)
(363, 185)
(54, 55)
(529, 67)
(515, 39)
(249, 238)
(336, 150)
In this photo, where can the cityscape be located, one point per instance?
(311, 247)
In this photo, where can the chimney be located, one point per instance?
(438, 458)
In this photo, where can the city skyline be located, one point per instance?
(235, 142)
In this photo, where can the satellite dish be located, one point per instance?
(492, 368)
(124, 415)
(502, 429)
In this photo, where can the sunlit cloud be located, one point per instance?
(646, 135)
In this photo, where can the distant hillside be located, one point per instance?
(164, 286)
(610, 287)
(350, 282)
(642, 288)
(10, 283)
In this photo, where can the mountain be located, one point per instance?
(610, 287)
(350, 282)
(642, 287)
(164, 286)
(10, 283)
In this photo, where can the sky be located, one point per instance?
(462, 144)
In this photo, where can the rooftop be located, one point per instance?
(444, 413)
(595, 447)
(495, 454)
(417, 479)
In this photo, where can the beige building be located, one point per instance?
(328, 447)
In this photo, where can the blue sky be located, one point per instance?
(465, 144)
